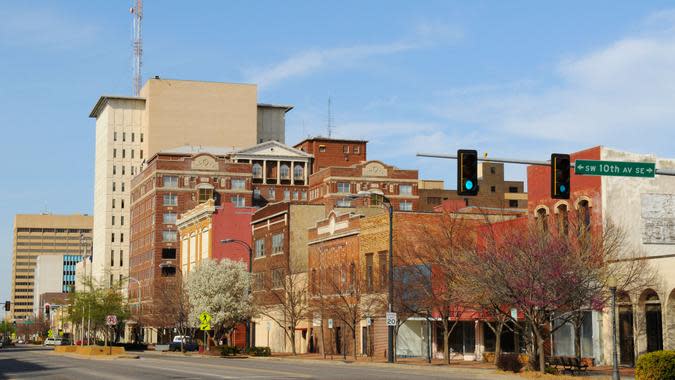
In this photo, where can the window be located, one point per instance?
(298, 172)
(239, 184)
(513, 203)
(322, 148)
(124, 153)
(405, 189)
(287, 195)
(132, 153)
(257, 171)
(114, 170)
(493, 170)
(112, 258)
(111, 280)
(277, 243)
(132, 170)
(256, 193)
(170, 181)
(296, 195)
(343, 187)
(238, 201)
(343, 203)
(141, 139)
(285, 171)
(541, 219)
(304, 195)
(122, 201)
(114, 153)
(369, 272)
(357, 149)
(434, 200)
(260, 248)
(113, 203)
(132, 140)
(258, 281)
(405, 206)
(114, 136)
(121, 237)
(112, 237)
(345, 149)
(205, 195)
(124, 136)
(513, 189)
(493, 189)
(170, 200)
(277, 278)
(113, 189)
(168, 253)
(168, 235)
(168, 271)
(382, 263)
(272, 193)
(123, 170)
(112, 222)
(141, 153)
(169, 218)
(122, 186)
(584, 215)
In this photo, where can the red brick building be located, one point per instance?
(169, 185)
(333, 152)
(332, 185)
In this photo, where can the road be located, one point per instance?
(30, 362)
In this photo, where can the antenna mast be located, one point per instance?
(136, 11)
(330, 119)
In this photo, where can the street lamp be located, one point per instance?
(138, 283)
(390, 296)
(250, 270)
(611, 282)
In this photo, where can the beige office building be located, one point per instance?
(38, 235)
(168, 113)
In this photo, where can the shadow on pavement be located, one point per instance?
(12, 367)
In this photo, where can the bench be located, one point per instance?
(568, 363)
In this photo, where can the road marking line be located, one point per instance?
(218, 366)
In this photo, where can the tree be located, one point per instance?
(222, 290)
(284, 300)
(172, 306)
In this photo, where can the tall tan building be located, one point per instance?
(37, 235)
(168, 114)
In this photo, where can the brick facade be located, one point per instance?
(333, 152)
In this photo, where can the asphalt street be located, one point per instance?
(30, 362)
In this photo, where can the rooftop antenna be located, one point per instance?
(330, 119)
(136, 11)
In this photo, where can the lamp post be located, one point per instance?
(390, 288)
(138, 283)
(611, 282)
(250, 270)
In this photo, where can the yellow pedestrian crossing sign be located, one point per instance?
(50, 333)
(205, 321)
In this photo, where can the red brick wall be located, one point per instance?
(230, 222)
(334, 154)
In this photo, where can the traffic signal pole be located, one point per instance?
(668, 172)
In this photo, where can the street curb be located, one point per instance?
(94, 357)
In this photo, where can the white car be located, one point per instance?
(52, 342)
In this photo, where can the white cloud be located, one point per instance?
(621, 95)
(43, 28)
(313, 60)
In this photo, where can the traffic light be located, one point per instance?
(467, 172)
(560, 176)
(8, 306)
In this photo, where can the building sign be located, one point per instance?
(658, 218)
(374, 169)
(615, 168)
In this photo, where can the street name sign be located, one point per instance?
(111, 320)
(391, 319)
(615, 168)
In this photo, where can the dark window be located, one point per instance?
(493, 170)
(513, 203)
(168, 271)
(369, 272)
(168, 253)
(513, 189)
(382, 256)
(493, 189)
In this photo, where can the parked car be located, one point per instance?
(52, 342)
(188, 343)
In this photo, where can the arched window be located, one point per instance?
(584, 216)
(257, 170)
(653, 321)
(563, 221)
(284, 171)
(298, 172)
(542, 223)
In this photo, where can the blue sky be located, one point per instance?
(515, 79)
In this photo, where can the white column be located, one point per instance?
(265, 171)
(292, 172)
(278, 172)
(306, 173)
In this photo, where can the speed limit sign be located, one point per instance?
(111, 320)
(391, 319)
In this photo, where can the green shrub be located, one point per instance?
(259, 351)
(229, 351)
(658, 365)
(509, 362)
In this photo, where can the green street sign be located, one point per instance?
(615, 168)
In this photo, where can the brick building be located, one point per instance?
(495, 191)
(171, 184)
(279, 235)
(279, 172)
(332, 185)
(644, 208)
(333, 152)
